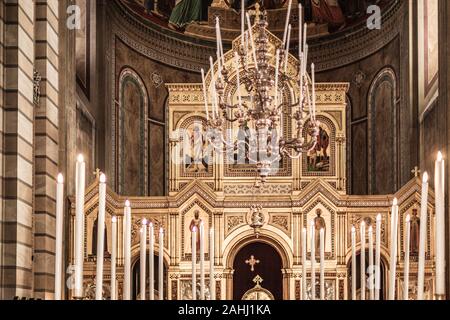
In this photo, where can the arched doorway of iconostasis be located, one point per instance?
(136, 284)
(257, 259)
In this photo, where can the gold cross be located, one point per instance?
(416, 171)
(256, 13)
(258, 280)
(97, 174)
(252, 262)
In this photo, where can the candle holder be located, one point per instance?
(439, 297)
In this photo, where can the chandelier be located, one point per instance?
(264, 75)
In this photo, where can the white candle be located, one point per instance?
(287, 22)
(393, 260)
(212, 292)
(277, 70)
(151, 261)
(305, 57)
(322, 264)
(363, 260)
(205, 95)
(161, 264)
(313, 262)
(377, 258)
(238, 79)
(371, 265)
(353, 263)
(127, 251)
(143, 257)
(300, 30)
(113, 257)
(100, 237)
(242, 19)
(79, 226)
(219, 34)
(202, 262)
(305, 31)
(439, 183)
(304, 245)
(213, 89)
(407, 247)
(286, 56)
(423, 236)
(59, 236)
(313, 72)
(194, 263)
(250, 32)
(300, 80)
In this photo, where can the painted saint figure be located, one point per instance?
(415, 233)
(319, 223)
(195, 222)
(327, 11)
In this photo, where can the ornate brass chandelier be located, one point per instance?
(264, 77)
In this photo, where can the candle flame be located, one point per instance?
(127, 203)
(60, 178)
(141, 230)
(80, 158)
(150, 224)
(363, 224)
(144, 221)
(161, 230)
(408, 218)
(370, 229)
(395, 202)
(114, 219)
(102, 178)
(425, 177)
(379, 217)
(312, 67)
(439, 156)
(353, 229)
(194, 229)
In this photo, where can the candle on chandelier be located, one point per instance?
(127, 251)
(363, 260)
(202, 263)
(277, 67)
(151, 260)
(407, 248)
(304, 284)
(353, 263)
(215, 111)
(59, 236)
(313, 261)
(205, 95)
(313, 72)
(194, 262)
(305, 32)
(322, 264)
(143, 257)
(161, 264)
(286, 55)
(220, 47)
(113, 257)
(439, 186)
(211, 265)
(305, 57)
(242, 19)
(287, 22)
(300, 31)
(250, 32)
(377, 258)
(371, 266)
(79, 226)
(238, 79)
(423, 236)
(393, 253)
(100, 237)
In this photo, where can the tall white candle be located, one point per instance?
(286, 55)
(353, 263)
(79, 227)
(277, 70)
(439, 183)
(59, 236)
(322, 264)
(205, 95)
(151, 261)
(194, 263)
(213, 90)
(113, 257)
(252, 42)
(288, 16)
(161, 264)
(305, 57)
(371, 265)
(242, 19)
(238, 79)
(313, 262)
(304, 245)
(393, 260)
(202, 262)
(212, 292)
(363, 260)
(100, 237)
(407, 247)
(300, 30)
(143, 257)
(313, 73)
(423, 236)
(377, 258)
(127, 251)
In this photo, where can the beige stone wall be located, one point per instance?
(17, 173)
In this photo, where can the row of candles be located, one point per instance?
(374, 288)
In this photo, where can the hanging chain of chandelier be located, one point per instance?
(261, 115)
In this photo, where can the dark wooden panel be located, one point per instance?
(156, 160)
(359, 158)
(431, 133)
